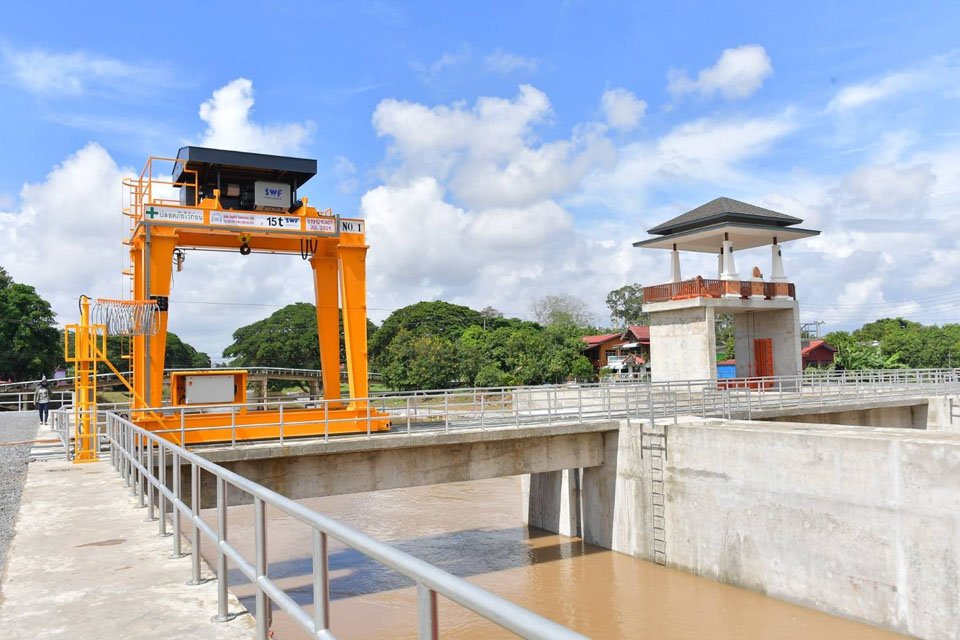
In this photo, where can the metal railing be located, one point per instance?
(141, 458)
(23, 400)
(451, 410)
(701, 287)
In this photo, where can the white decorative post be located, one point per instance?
(729, 272)
(781, 290)
(675, 265)
(776, 274)
(729, 267)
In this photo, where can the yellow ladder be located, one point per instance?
(89, 348)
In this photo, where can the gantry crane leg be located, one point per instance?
(325, 280)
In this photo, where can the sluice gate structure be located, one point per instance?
(726, 483)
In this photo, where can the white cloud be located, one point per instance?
(487, 154)
(66, 237)
(429, 72)
(889, 190)
(63, 235)
(940, 74)
(494, 127)
(705, 151)
(503, 62)
(75, 73)
(622, 109)
(738, 73)
(229, 124)
(860, 94)
(346, 172)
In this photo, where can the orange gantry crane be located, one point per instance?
(214, 199)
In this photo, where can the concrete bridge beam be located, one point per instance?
(314, 468)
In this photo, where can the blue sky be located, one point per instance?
(534, 140)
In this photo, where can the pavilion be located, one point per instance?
(683, 312)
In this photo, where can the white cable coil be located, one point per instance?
(127, 317)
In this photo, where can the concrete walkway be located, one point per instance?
(85, 564)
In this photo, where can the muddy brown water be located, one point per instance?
(474, 531)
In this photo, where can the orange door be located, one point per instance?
(763, 357)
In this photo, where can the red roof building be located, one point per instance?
(820, 353)
(613, 349)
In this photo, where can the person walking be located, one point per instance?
(41, 398)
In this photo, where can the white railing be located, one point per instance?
(450, 410)
(141, 458)
(23, 400)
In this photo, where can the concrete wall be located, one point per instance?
(782, 326)
(683, 344)
(913, 416)
(857, 521)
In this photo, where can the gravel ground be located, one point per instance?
(14, 427)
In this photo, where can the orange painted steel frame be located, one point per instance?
(337, 255)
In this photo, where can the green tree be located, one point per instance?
(625, 306)
(5, 279)
(29, 340)
(420, 362)
(437, 318)
(287, 338)
(489, 375)
(474, 354)
(582, 370)
(180, 355)
(725, 335)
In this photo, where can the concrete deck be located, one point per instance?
(85, 564)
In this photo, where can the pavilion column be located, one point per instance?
(777, 277)
(675, 265)
(729, 272)
(776, 273)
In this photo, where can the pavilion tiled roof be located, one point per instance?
(724, 210)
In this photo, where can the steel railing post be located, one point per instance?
(162, 500)
(183, 429)
(177, 502)
(580, 404)
(326, 420)
(408, 415)
(281, 424)
(140, 490)
(446, 412)
(260, 534)
(321, 582)
(127, 466)
(194, 514)
(427, 623)
(481, 412)
(549, 407)
(150, 516)
(233, 426)
(222, 597)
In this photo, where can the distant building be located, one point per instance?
(819, 354)
(727, 369)
(629, 349)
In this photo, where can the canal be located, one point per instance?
(474, 530)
